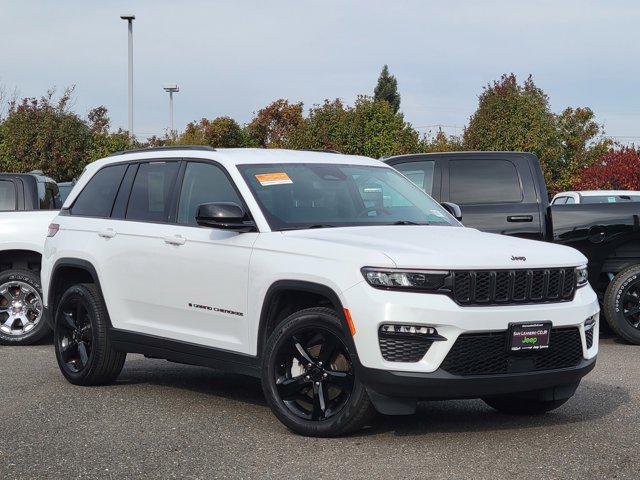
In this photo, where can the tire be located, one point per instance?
(619, 299)
(22, 319)
(345, 406)
(81, 338)
(523, 406)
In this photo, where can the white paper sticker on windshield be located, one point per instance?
(438, 213)
(267, 179)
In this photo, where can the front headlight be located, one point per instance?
(582, 276)
(397, 279)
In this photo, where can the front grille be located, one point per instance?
(487, 354)
(403, 349)
(589, 337)
(504, 287)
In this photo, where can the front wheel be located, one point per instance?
(309, 379)
(622, 304)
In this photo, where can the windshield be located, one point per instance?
(610, 198)
(294, 196)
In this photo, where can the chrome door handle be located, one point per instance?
(520, 218)
(107, 233)
(175, 240)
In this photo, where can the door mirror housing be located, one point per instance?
(225, 215)
(454, 209)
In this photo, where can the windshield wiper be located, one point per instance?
(408, 222)
(321, 225)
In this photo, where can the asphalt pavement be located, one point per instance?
(164, 420)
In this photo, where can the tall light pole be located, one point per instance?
(171, 88)
(130, 18)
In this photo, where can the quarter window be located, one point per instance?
(420, 173)
(7, 195)
(484, 181)
(96, 198)
(203, 183)
(150, 198)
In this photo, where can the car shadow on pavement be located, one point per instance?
(592, 401)
(196, 379)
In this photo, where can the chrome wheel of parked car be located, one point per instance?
(20, 308)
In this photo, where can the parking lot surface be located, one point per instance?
(163, 420)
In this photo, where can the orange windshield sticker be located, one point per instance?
(267, 179)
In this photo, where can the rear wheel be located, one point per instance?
(21, 309)
(83, 348)
(309, 379)
(622, 304)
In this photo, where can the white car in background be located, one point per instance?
(596, 196)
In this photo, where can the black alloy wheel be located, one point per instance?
(74, 335)
(309, 376)
(314, 378)
(622, 304)
(630, 301)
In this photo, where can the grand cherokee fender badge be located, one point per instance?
(518, 259)
(215, 309)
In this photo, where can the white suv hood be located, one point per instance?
(433, 247)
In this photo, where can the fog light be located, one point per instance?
(414, 330)
(590, 322)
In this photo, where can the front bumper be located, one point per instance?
(441, 385)
(370, 308)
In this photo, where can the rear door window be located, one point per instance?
(152, 190)
(560, 201)
(96, 198)
(420, 173)
(7, 196)
(484, 181)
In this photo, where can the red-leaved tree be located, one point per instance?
(618, 169)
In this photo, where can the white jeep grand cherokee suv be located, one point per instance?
(333, 278)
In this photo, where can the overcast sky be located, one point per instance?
(234, 57)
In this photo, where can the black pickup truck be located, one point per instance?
(505, 192)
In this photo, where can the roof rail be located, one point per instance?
(319, 151)
(160, 149)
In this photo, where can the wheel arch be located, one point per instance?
(306, 295)
(20, 259)
(67, 272)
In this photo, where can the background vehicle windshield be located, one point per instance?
(327, 195)
(610, 198)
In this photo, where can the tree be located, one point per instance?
(387, 89)
(276, 125)
(517, 117)
(583, 142)
(324, 128)
(441, 143)
(221, 132)
(103, 142)
(617, 169)
(375, 129)
(44, 134)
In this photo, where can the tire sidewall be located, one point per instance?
(81, 293)
(32, 279)
(614, 304)
(297, 321)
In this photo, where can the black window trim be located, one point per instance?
(175, 195)
(515, 167)
(15, 194)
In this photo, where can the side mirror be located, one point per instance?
(225, 215)
(453, 209)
